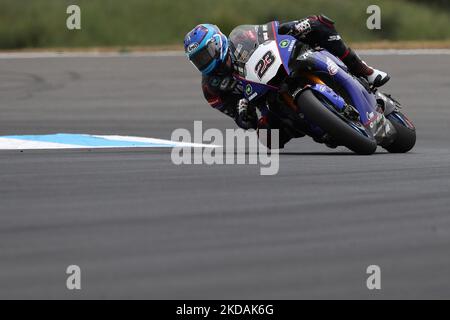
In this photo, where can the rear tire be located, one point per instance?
(405, 138)
(331, 123)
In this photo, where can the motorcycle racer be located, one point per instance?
(208, 49)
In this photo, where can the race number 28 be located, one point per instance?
(264, 64)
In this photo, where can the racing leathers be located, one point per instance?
(319, 31)
(224, 93)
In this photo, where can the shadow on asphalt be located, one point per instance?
(341, 153)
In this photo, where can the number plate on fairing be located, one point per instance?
(264, 63)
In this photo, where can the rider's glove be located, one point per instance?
(245, 118)
(298, 28)
(242, 106)
(301, 28)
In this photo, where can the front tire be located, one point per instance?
(406, 133)
(330, 122)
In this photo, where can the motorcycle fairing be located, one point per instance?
(273, 51)
(329, 94)
(285, 45)
(260, 43)
(362, 100)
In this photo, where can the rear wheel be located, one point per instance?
(406, 133)
(349, 134)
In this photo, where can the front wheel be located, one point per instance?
(405, 138)
(342, 130)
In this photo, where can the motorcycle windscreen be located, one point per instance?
(243, 42)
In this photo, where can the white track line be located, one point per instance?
(17, 144)
(50, 54)
(84, 141)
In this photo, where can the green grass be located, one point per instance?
(42, 23)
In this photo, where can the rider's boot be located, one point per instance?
(359, 68)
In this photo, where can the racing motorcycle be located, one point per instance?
(311, 92)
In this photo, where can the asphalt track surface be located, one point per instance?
(141, 227)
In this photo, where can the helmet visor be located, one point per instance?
(205, 56)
